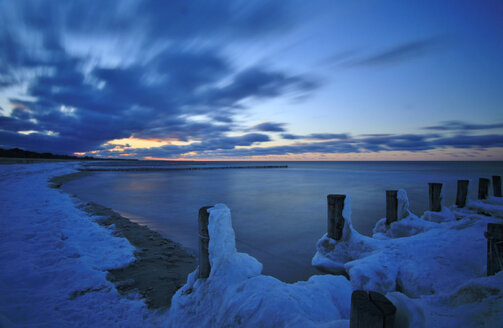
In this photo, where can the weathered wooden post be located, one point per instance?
(497, 185)
(435, 192)
(391, 206)
(335, 218)
(371, 310)
(494, 237)
(462, 193)
(483, 188)
(204, 240)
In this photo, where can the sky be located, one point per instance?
(253, 80)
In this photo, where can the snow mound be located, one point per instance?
(332, 255)
(490, 207)
(236, 294)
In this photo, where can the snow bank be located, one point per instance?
(433, 268)
(490, 207)
(236, 294)
(54, 258)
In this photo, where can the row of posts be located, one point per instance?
(435, 192)
(336, 206)
(371, 309)
(375, 310)
(336, 202)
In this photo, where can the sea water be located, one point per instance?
(278, 214)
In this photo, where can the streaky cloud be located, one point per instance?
(268, 127)
(316, 136)
(463, 126)
(135, 84)
(398, 53)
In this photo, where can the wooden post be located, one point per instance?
(483, 188)
(462, 192)
(391, 206)
(435, 192)
(204, 240)
(335, 218)
(494, 237)
(371, 310)
(497, 185)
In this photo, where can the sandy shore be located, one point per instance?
(161, 265)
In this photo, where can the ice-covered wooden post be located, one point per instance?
(335, 218)
(494, 237)
(391, 206)
(371, 310)
(483, 188)
(462, 193)
(204, 240)
(435, 193)
(497, 185)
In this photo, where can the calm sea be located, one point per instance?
(277, 214)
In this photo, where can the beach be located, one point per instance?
(161, 266)
(71, 263)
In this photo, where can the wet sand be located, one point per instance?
(161, 266)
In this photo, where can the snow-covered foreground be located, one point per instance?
(54, 257)
(432, 268)
(235, 294)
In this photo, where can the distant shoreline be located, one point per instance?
(12, 160)
(161, 265)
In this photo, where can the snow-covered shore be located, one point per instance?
(54, 259)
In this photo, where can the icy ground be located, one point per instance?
(236, 294)
(54, 257)
(433, 268)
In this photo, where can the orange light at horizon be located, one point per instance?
(145, 143)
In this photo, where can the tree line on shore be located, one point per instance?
(20, 153)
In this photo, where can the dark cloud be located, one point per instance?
(398, 53)
(269, 127)
(13, 124)
(45, 143)
(156, 67)
(226, 147)
(464, 141)
(208, 145)
(318, 136)
(463, 126)
(258, 83)
(375, 135)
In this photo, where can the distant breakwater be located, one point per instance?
(156, 169)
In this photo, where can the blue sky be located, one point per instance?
(297, 80)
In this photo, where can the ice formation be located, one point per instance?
(432, 268)
(236, 294)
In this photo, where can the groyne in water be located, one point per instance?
(157, 169)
